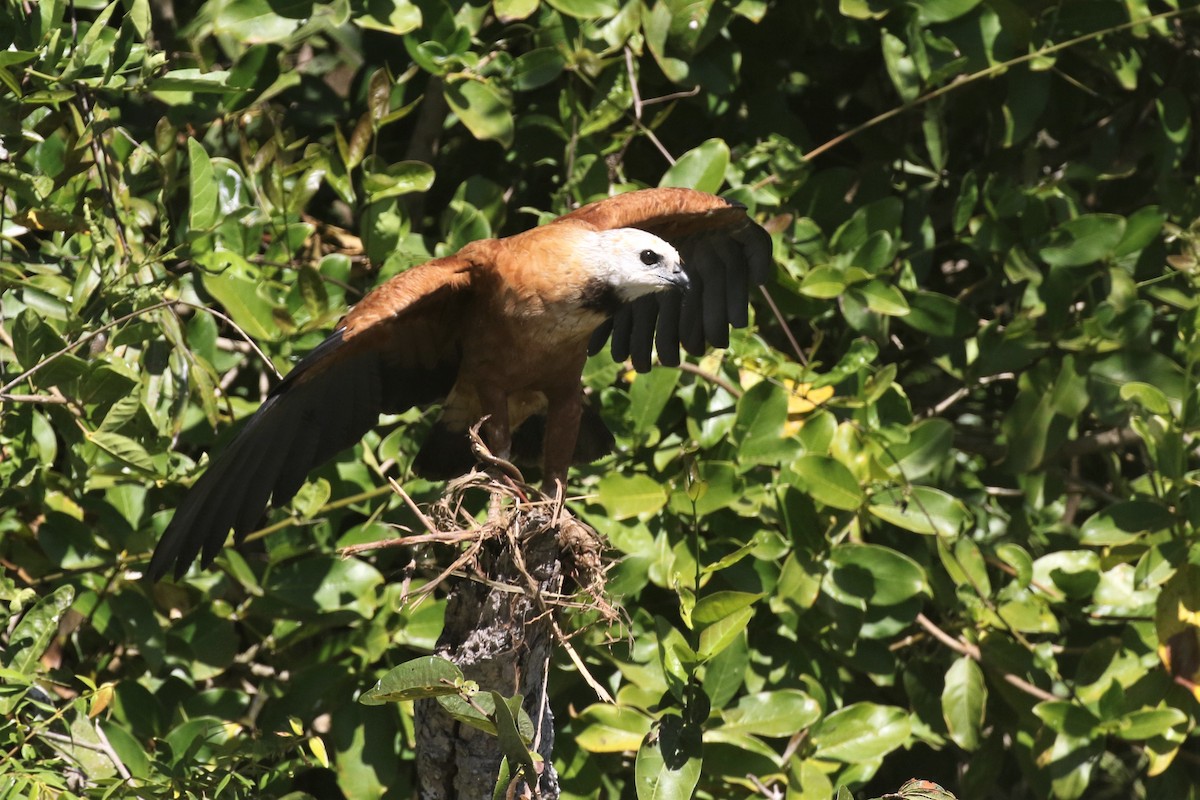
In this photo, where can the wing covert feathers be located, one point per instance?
(725, 254)
(403, 345)
(398, 348)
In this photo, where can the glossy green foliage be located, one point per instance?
(932, 515)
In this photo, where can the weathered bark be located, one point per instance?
(500, 632)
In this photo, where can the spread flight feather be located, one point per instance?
(502, 329)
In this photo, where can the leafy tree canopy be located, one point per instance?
(932, 516)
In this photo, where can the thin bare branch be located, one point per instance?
(989, 72)
(972, 651)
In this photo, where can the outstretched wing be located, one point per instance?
(725, 254)
(397, 348)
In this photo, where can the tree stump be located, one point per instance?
(500, 630)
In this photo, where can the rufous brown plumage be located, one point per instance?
(499, 330)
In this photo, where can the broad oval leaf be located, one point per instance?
(823, 283)
(964, 702)
(828, 481)
(235, 283)
(1149, 722)
(877, 574)
(585, 9)
(537, 68)
(397, 179)
(779, 713)
(1084, 240)
(938, 315)
(928, 448)
(483, 108)
(718, 605)
(1125, 522)
(935, 11)
(626, 496)
(883, 298)
(611, 729)
(722, 633)
(1075, 572)
(701, 168)
(513, 10)
(1148, 396)
(860, 732)
(428, 676)
(921, 509)
(202, 189)
(33, 634)
(668, 765)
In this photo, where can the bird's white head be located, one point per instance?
(629, 263)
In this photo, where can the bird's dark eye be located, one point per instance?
(650, 257)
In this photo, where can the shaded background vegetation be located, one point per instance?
(934, 516)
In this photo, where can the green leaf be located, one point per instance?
(1075, 572)
(964, 703)
(585, 9)
(611, 729)
(260, 21)
(878, 575)
(1026, 427)
(722, 633)
(829, 482)
(1066, 717)
(626, 496)
(936, 11)
(1019, 559)
(701, 168)
(860, 732)
(901, 67)
(396, 17)
(325, 583)
(937, 315)
(883, 298)
(481, 711)
(312, 497)
(1125, 522)
(404, 177)
(235, 283)
(124, 449)
(649, 394)
(784, 712)
(1141, 228)
(1149, 397)
(33, 339)
(1148, 723)
(928, 448)
(513, 10)
(179, 85)
(759, 427)
(823, 283)
(484, 109)
(968, 198)
(667, 767)
(538, 67)
(921, 509)
(711, 486)
(865, 9)
(33, 634)
(1084, 240)
(202, 211)
(725, 673)
(719, 605)
(511, 742)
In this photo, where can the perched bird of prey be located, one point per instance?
(501, 329)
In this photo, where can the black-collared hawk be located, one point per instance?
(499, 330)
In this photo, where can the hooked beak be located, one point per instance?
(679, 279)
